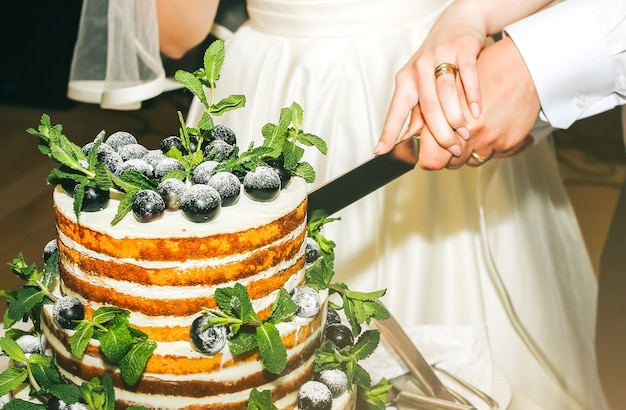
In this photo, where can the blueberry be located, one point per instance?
(50, 249)
(336, 380)
(95, 199)
(307, 299)
(104, 147)
(132, 151)
(262, 184)
(167, 165)
(223, 133)
(203, 172)
(135, 164)
(218, 150)
(172, 142)
(207, 339)
(312, 250)
(30, 344)
(200, 203)
(227, 185)
(171, 190)
(340, 335)
(154, 157)
(67, 310)
(283, 174)
(112, 159)
(332, 316)
(314, 395)
(69, 186)
(148, 205)
(119, 139)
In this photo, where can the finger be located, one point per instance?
(402, 102)
(450, 101)
(469, 79)
(477, 158)
(432, 156)
(434, 117)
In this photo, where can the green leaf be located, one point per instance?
(81, 337)
(271, 348)
(283, 308)
(230, 103)
(296, 115)
(124, 207)
(67, 392)
(236, 302)
(366, 345)
(305, 171)
(242, 342)
(193, 84)
(365, 295)
(27, 298)
(11, 378)
(19, 404)
(106, 314)
(116, 343)
(50, 270)
(213, 60)
(132, 365)
(313, 140)
(260, 400)
(109, 393)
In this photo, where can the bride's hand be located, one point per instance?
(456, 38)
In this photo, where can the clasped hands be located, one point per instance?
(480, 104)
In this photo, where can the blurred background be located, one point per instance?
(37, 42)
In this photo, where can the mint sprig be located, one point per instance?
(247, 330)
(260, 400)
(119, 342)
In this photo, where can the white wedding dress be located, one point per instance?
(496, 246)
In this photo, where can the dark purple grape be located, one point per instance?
(50, 249)
(119, 139)
(207, 339)
(104, 147)
(67, 310)
(171, 190)
(132, 151)
(223, 133)
(148, 205)
(172, 142)
(203, 172)
(56, 404)
(95, 199)
(227, 185)
(312, 250)
(154, 157)
(112, 159)
(135, 164)
(200, 203)
(69, 186)
(283, 174)
(314, 395)
(218, 150)
(335, 379)
(262, 184)
(340, 335)
(307, 299)
(167, 165)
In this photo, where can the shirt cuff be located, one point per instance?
(564, 48)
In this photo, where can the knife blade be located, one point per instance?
(364, 179)
(419, 368)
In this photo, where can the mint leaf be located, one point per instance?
(109, 393)
(213, 61)
(106, 314)
(367, 343)
(19, 404)
(132, 365)
(260, 400)
(305, 171)
(236, 302)
(50, 270)
(11, 378)
(271, 348)
(243, 342)
(375, 398)
(117, 341)
(81, 337)
(27, 298)
(193, 84)
(232, 102)
(93, 393)
(67, 392)
(283, 308)
(123, 208)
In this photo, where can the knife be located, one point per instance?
(419, 368)
(364, 179)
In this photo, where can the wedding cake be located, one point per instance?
(188, 277)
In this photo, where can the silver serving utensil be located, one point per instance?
(491, 402)
(405, 394)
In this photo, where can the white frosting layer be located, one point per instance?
(245, 214)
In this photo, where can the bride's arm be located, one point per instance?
(457, 37)
(183, 24)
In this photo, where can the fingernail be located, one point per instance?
(475, 109)
(455, 150)
(463, 132)
(378, 148)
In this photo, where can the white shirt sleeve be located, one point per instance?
(576, 54)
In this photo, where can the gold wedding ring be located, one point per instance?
(479, 159)
(445, 68)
